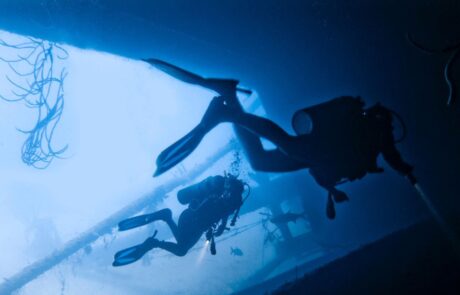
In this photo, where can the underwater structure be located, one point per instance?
(75, 170)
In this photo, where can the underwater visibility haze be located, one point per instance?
(229, 147)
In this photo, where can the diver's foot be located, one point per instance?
(330, 207)
(218, 111)
(151, 242)
(233, 102)
(339, 196)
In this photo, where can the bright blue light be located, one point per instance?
(119, 115)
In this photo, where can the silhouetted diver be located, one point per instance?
(210, 203)
(337, 141)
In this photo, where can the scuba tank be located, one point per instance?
(197, 193)
(212, 186)
(328, 117)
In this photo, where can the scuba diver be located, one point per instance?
(337, 141)
(210, 204)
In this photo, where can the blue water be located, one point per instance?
(120, 113)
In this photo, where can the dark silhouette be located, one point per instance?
(210, 204)
(337, 141)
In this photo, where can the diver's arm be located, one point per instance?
(393, 157)
(222, 226)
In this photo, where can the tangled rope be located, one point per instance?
(454, 50)
(41, 87)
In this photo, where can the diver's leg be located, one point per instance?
(179, 249)
(174, 248)
(263, 160)
(252, 146)
(251, 143)
(184, 244)
(267, 129)
(259, 158)
(185, 240)
(219, 112)
(173, 226)
(187, 234)
(166, 216)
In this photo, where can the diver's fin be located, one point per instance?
(141, 220)
(176, 72)
(129, 255)
(180, 150)
(134, 253)
(217, 85)
(134, 222)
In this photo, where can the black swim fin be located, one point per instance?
(176, 72)
(133, 254)
(133, 222)
(218, 85)
(141, 220)
(180, 150)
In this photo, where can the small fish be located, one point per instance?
(287, 217)
(236, 251)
